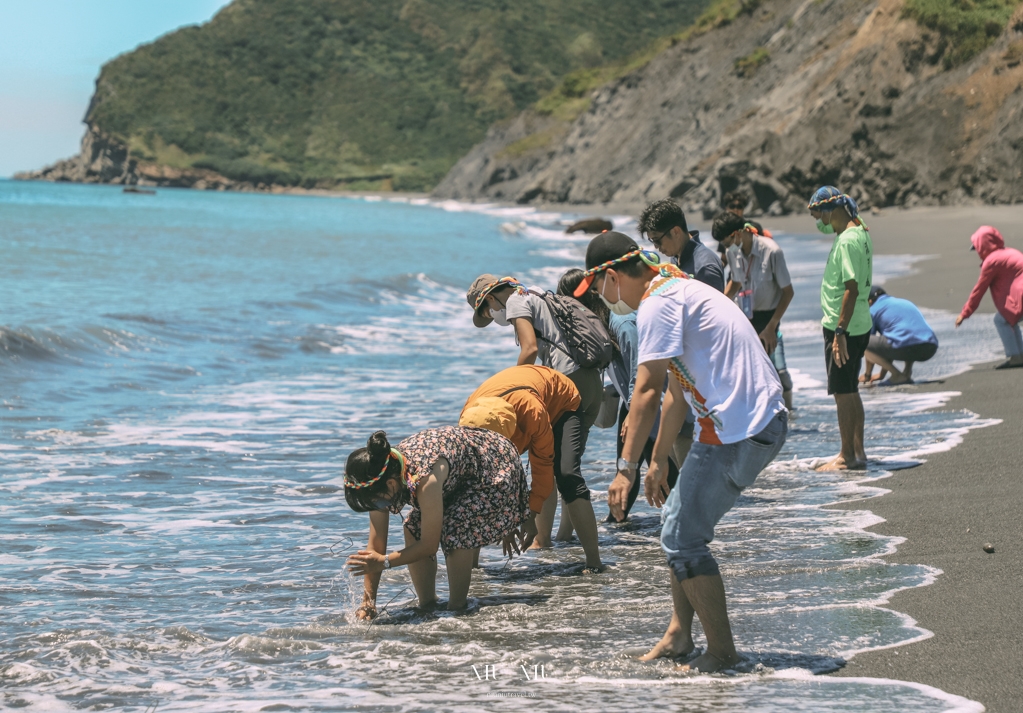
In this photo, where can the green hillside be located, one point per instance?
(358, 93)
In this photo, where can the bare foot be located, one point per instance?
(539, 544)
(709, 663)
(839, 463)
(598, 568)
(671, 646)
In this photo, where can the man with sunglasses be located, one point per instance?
(718, 365)
(664, 224)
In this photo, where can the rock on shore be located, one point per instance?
(795, 94)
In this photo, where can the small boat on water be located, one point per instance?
(142, 191)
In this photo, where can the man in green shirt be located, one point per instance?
(844, 292)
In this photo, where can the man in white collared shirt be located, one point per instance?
(760, 279)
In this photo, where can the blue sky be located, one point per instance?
(51, 52)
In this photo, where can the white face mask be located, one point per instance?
(619, 307)
(499, 317)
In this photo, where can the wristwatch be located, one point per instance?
(626, 465)
(840, 331)
(387, 561)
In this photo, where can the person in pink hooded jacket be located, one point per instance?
(1002, 270)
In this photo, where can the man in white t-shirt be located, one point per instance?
(721, 369)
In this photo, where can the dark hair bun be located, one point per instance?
(378, 446)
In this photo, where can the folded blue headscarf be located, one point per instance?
(827, 198)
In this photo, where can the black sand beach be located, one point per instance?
(949, 507)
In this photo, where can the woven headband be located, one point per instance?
(840, 198)
(357, 485)
(650, 258)
(753, 229)
(493, 286)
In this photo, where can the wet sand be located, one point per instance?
(953, 504)
(957, 501)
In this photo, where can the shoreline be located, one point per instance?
(957, 500)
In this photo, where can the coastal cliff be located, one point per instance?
(106, 159)
(776, 99)
(361, 94)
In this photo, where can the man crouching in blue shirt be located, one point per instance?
(900, 333)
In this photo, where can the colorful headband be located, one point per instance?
(651, 258)
(753, 229)
(493, 286)
(395, 453)
(838, 199)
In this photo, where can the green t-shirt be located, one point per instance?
(851, 258)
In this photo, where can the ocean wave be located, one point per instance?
(193, 541)
(34, 344)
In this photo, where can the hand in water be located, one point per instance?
(366, 612)
(528, 532)
(521, 539)
(656, 483)
(512, 544)
(618, 496)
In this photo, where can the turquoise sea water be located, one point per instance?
(181, 378)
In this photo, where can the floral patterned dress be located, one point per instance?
(485, 495)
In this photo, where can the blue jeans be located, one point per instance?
(709, 483)
(1012, 339)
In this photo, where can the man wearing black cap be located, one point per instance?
(719, 368)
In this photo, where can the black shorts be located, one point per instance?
(844, 379)
(880, 345)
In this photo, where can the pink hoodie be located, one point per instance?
(1002, 271)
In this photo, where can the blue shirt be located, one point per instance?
(701, 262)
(900, 322)
(623, 368)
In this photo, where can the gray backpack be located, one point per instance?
(589, 344)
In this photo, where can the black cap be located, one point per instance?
(608, 246)
(875, 292)
(604, 248)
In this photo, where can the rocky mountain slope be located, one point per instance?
(782, 97)
(372, 94)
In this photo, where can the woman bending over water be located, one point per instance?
(467, 489)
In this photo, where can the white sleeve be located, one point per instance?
(659, 323)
